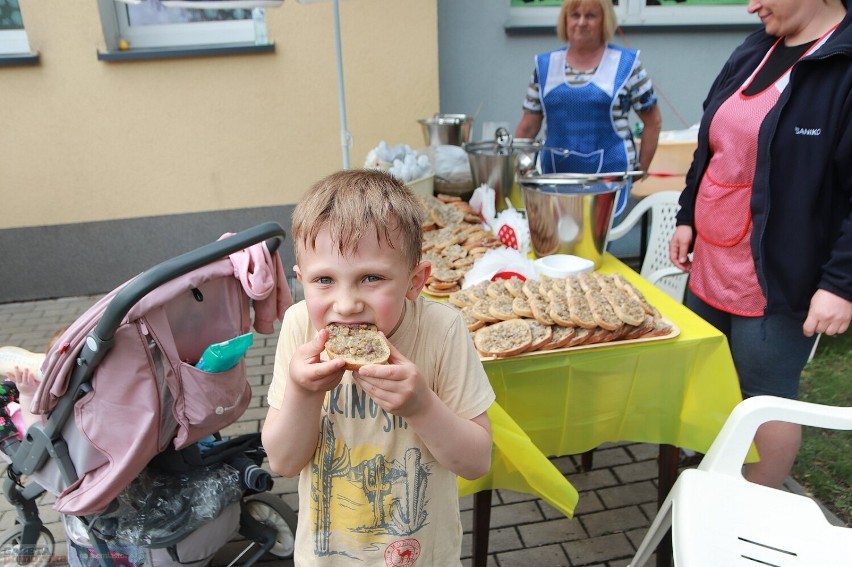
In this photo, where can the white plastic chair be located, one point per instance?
(720, 519)
(656, 266)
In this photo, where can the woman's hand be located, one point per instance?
(828, 313)
(679, 247)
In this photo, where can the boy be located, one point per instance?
(378, 450)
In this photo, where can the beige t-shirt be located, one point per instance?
(373, 493)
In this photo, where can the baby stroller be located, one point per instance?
(128, 440)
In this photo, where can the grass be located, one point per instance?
(824, 463)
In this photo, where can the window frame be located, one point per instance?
(635, 13)
(14, 42)
(171, 37)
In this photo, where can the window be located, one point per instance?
(13, 38)
(150, 25)
(543, 13)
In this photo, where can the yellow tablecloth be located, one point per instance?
(517, 464)
(677, 391)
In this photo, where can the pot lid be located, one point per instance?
(442, 119)
(573, 183)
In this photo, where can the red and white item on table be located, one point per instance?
(500, 263)
(510, 226)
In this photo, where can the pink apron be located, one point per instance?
(723, 272)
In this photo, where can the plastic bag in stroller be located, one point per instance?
(128, 437)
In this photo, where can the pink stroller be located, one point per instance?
(128, 440)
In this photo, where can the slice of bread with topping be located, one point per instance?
(358, 344)
(506, 338)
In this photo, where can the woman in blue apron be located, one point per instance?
(584, 92)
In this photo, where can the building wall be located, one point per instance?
(485, 70)
(156, 157)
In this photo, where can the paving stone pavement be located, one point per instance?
(617, 498)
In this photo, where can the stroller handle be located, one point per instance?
(151, 279)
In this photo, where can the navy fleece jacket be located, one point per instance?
(801, 200)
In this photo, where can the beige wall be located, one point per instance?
(84, 140)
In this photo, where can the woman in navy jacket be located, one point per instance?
(767, 206)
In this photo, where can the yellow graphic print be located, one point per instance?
(360, 499)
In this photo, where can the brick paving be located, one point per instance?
(617, 498)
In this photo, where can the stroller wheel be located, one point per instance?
(10, 547)
(270, 510)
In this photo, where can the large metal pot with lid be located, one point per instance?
(447, 129)
(498, 163)
(571, 213)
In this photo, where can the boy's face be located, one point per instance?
(369, 286)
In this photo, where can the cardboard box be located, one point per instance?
(670, 164)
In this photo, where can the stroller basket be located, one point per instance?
(120, 387)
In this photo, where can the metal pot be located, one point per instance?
(498, 164)
(571, 213)
(447, 129)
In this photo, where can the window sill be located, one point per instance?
(11, 59)
(523, 28)
(178, 52)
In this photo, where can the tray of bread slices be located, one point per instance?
(516, 317)
(512, 317)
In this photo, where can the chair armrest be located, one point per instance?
(657, 275)
(633, 217)
(642, 207)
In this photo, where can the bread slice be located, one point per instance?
(540, 308)
(641, 329)
(472, 322)
(599, 335)
(602, 311)
(559, 310)
(515, 286)
(541, 334)
(358, 344)
(506, 338)
(626, 306)
(581, 336)
(636, 294)
(502, 309)
(581, 313)
(522, 308)
(561, 336)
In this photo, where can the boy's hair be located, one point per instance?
(349, 203)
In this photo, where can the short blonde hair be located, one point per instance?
(608, 26)
(352, 202)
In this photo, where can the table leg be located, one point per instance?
(587, 460)
(481, 525)
(667, 464)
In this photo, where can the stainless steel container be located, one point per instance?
(447, 129)
(499, 163)
(571, 213)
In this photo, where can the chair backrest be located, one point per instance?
(728, 451)
(656, 266)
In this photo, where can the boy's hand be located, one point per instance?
(398, 387)
(309, 372)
